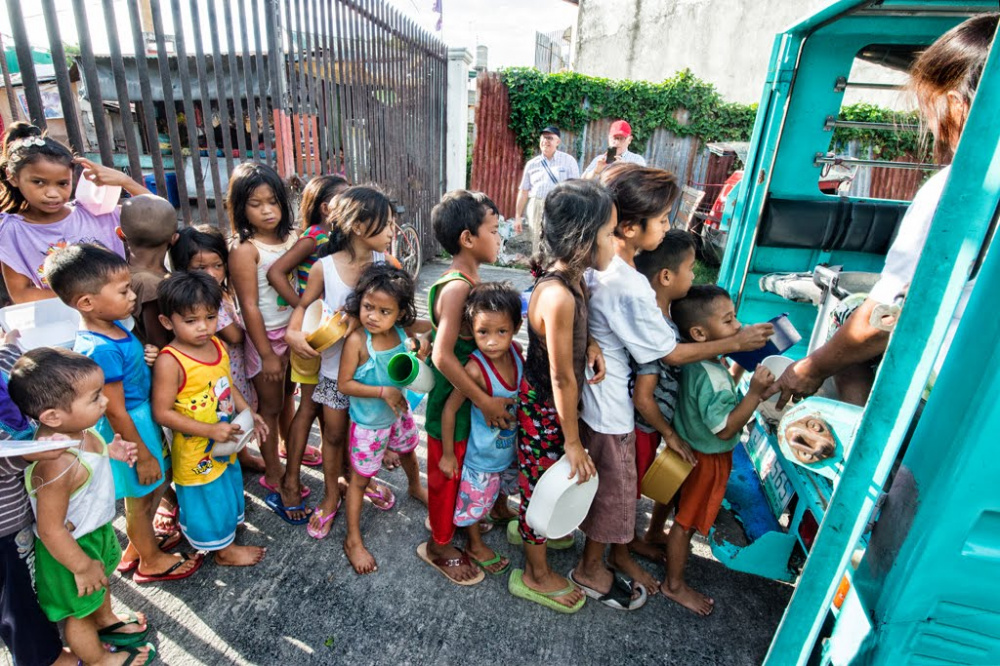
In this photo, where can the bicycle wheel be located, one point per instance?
(408, 249)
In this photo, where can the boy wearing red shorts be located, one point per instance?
(710, 417)
(466, 224)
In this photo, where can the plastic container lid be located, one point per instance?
(46, 323)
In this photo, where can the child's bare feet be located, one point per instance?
(484, 554)
(134, 656)
(291, 495)
(251, 461)
(457, 572)
(126, 622)
(239, 556)
(418, 493)
(620, 559)
(694, 601)
(649, 551)
(359, 557)
(165, 520)
(658, 537)
(390, 460)
(501, 513)
(553, 582)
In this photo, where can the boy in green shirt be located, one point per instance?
(710, 417)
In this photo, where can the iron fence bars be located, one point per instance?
(238, 125)
(149, 111)
(94, 96)
(25, 62)
(221, 98)
(121, 89)
(207, 115)
(264, 84)
(190, 115)
(61, 71)
(308, 86)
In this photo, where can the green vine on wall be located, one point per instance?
(682, 104)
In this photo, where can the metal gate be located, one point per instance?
(190, 88)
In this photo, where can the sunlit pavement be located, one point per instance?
(304, 604)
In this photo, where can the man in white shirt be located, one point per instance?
(619, 138)
(541, 174)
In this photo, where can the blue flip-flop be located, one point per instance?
(274, 502)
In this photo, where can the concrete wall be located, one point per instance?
(725, 42)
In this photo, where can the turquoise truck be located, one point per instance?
(894, 546)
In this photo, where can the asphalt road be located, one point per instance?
(305, 605)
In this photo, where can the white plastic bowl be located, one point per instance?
(769, 408)
(46, 323)
(245, 421)
(559, 504)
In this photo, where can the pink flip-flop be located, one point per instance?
(379, 495)
(324, 522)
(275, 489)
(311, 457)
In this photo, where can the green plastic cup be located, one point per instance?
(408, 371)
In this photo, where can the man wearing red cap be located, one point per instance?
(619, 138)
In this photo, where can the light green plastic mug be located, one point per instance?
(408, 371)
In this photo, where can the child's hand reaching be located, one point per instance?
(420, 345)
(448, 465)
(753, 336)
(148, 470)
(681, 448)
(90, 578)
(297, 341)
(260, 426)
(126, 452)
(99, 174)
(10, 337)
(495, 411)
(149, 354)
(761, 380)
(580, 463)
(595, 361)
(394, 398)
(226, 432)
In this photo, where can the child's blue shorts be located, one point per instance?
(210, 513)
(126, 478)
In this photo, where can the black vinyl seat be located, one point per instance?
(840, 224)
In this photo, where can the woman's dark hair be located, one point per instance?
(389, 280)
(953, 63)
(362, 209)
(500, 297)
(575, 211)
(181, 293)
(246, 178)
(319, 191)
(640, 193)
(201, 238)
(25, 144)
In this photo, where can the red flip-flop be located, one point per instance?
(169, 574)
(311, 457)
(275, 489)
(166, 543)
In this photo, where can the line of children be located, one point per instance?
(96, 282)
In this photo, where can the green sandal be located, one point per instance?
(133, 653)
(516, 586)
(486, 564)
(113, 636)
(514, 538)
